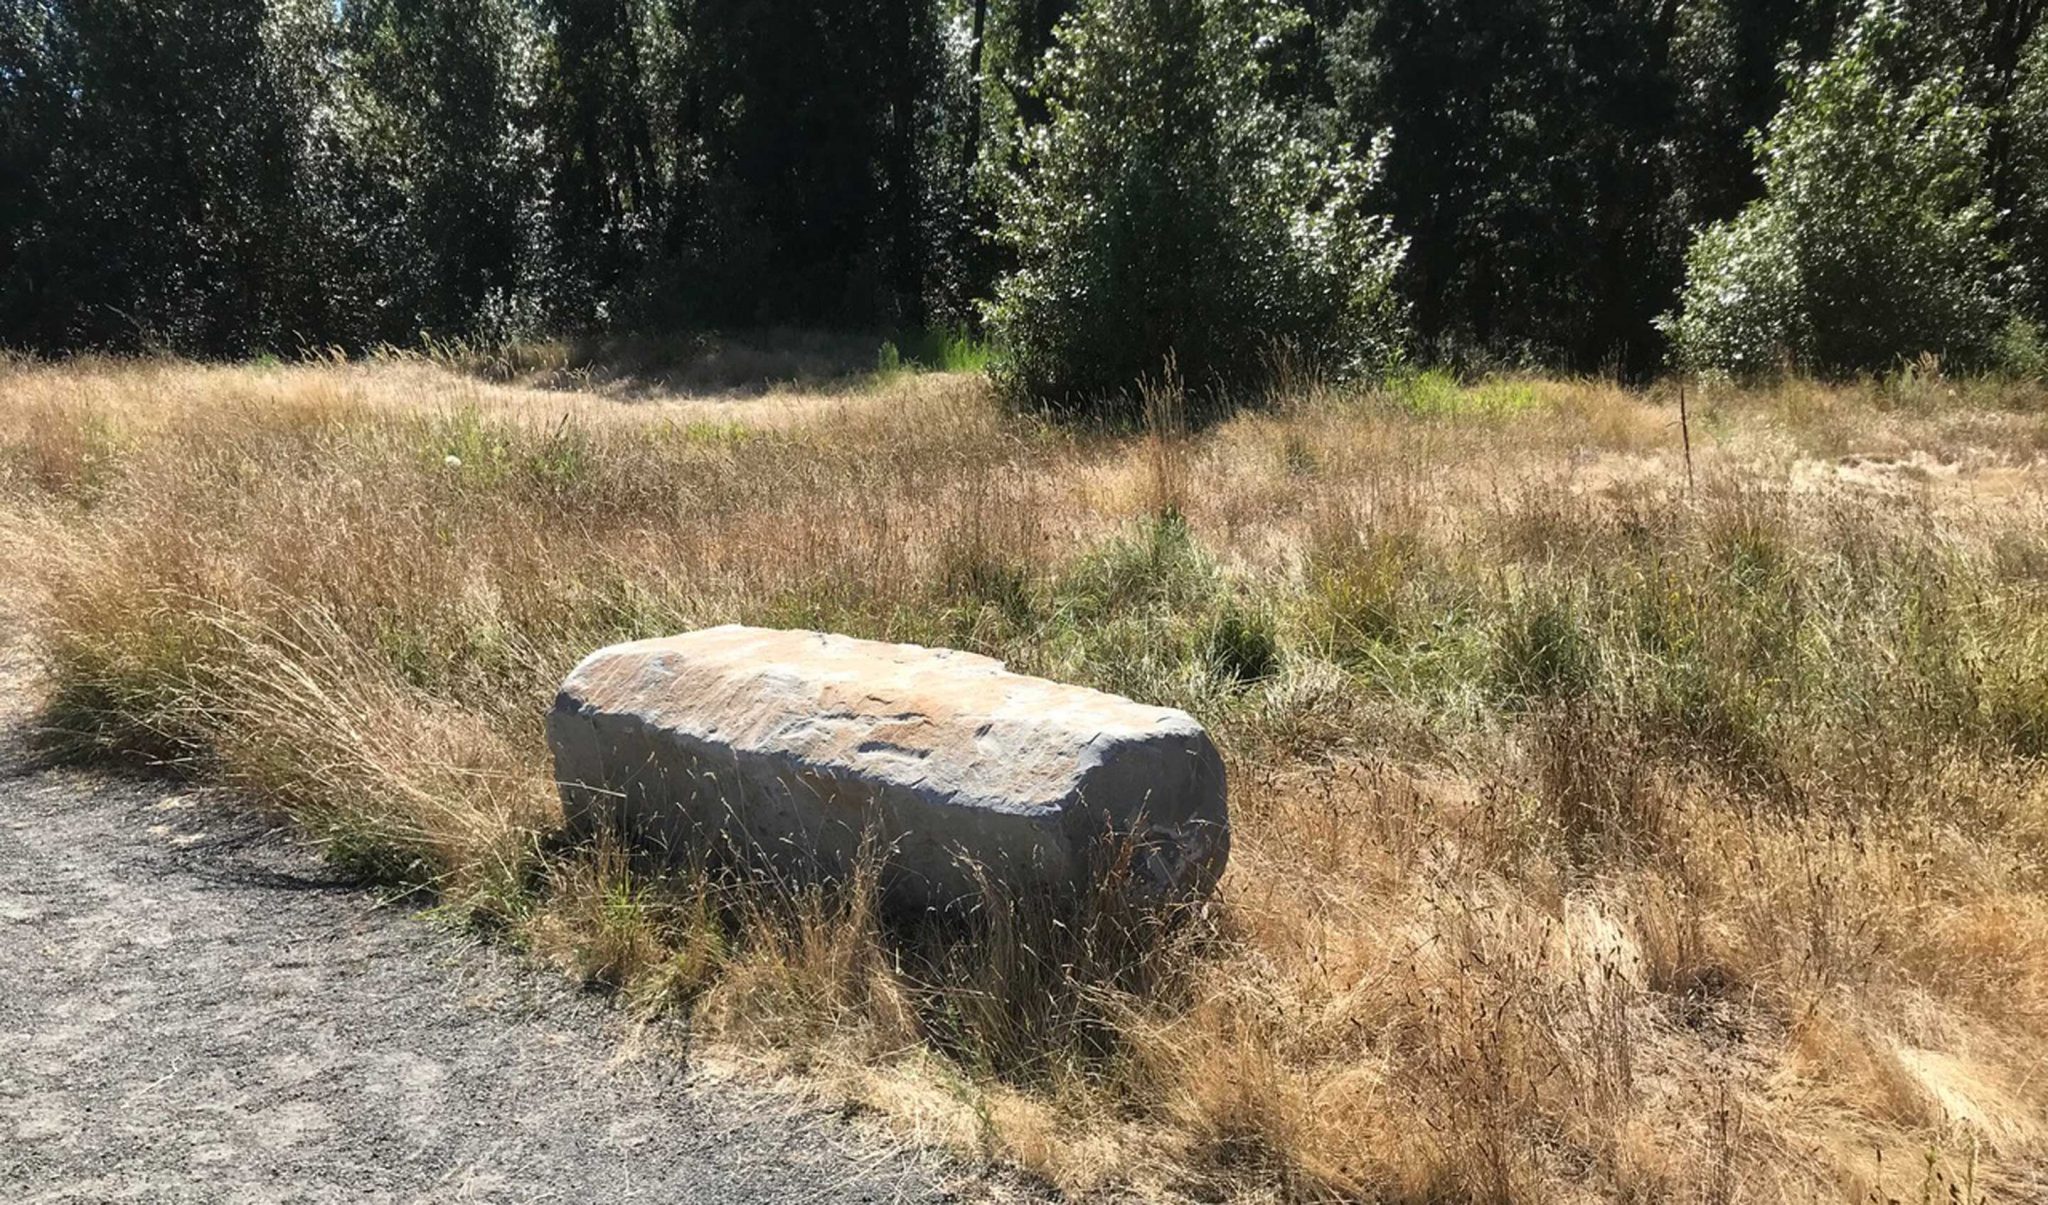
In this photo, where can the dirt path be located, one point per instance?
(193, 1008)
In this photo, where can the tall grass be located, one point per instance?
(1593, 837)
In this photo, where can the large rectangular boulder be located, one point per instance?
(791, 748)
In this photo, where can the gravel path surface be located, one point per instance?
(193, 1008)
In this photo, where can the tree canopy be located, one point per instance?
(1827, 184)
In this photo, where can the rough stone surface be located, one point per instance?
(789, 748)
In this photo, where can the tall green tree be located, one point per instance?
(33, 104)
(1875, 237)
(801, 194)
(1550, 156)
(2029, 171)
(438, 125)
(1172, 219)
(220, 176)
(151, 194)
(602, 177)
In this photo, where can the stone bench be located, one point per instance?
(788, 748)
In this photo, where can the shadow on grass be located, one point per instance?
(738, 364)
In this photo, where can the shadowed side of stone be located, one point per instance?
(793, 748)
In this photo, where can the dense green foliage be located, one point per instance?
(1173, 221)
(1876, 238)
(2028, 161)
(225, 177)
(154, 161)
(1550, 156)
(439, 180)
(229, 176)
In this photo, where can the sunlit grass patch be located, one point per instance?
(932, 349)
(1435, 393)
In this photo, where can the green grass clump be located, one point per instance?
(1240, 645)
(931, 349)
(1545, 652)
(1435, 393)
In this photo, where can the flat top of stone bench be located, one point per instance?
(847, 673)
(949, 720)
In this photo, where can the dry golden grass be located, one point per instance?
(1595, 838)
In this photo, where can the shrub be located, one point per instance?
(2020, 352)
(1873, 241)
(1744, 314)
(1171, 214)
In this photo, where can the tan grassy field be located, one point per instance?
(1597, 838)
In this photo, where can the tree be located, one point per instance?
(1171, 218)
(602, 194)
(152, 195)
(800, 190)
(437, 123)
(2028, 172)
(1550, 156)
(226, 176)
(32, 117)
(1874, 238)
